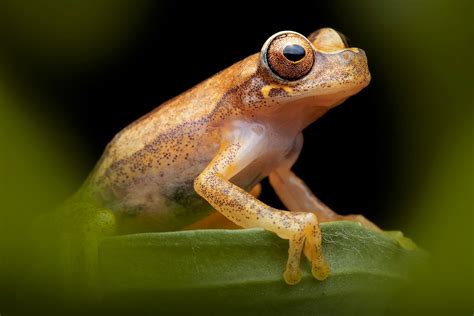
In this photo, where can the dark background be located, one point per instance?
(346, 159)
(73, 73)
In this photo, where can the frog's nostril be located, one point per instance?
(346, 55)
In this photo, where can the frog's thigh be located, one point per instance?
(245, 210)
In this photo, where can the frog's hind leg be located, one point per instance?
(297, 197)
(72, 234)
(294, 193)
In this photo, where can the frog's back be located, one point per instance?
(147, 171)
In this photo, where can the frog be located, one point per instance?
(198, 159)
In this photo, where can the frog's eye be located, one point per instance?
(289, 55)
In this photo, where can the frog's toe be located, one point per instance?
(404, 242)
(319, 266)
(292, 276)
(320, 271)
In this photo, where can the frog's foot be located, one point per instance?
(81, 227)
(305, 233)
(404, 242)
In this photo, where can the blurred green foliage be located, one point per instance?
(426, 46)
(34, 178)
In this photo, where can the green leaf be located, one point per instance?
(240, 271)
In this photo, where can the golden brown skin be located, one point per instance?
(206, 148)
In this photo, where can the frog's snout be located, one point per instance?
(356, 64)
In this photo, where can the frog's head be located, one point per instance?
(319, 71)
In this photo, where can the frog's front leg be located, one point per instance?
(294, 193)
(216, 220)
(213, 184)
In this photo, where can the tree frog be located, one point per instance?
(206, 150)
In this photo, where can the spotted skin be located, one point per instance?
(206, 148)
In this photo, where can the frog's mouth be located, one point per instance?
(307, 107)
(325, 97)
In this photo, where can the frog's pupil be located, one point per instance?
(294, 52)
